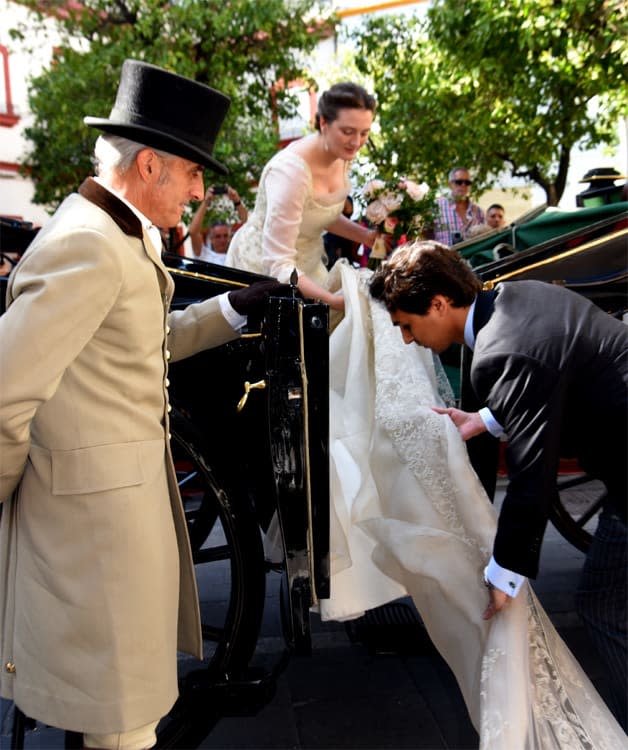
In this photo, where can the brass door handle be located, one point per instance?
(248, 387)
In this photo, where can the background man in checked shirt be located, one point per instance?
(456, 212)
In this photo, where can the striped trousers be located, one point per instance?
(601, 603)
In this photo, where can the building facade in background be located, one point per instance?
(18, 65)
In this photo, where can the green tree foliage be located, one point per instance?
(244, 48)
(497, 84)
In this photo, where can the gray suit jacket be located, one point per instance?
(553, 369)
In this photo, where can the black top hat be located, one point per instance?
(166, 111)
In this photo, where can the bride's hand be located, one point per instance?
(337, 302)
(370, 237)
(373, 235)
(469, 424)
(498, 601)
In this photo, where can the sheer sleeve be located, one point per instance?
(287, 185)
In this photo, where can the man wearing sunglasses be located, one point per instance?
(456, 212)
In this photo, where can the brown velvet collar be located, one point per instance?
(128, 222)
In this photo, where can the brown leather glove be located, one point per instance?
(251, 300)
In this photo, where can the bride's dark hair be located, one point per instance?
(415, 273)
(342, 96)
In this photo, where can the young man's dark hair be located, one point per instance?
(415, 273)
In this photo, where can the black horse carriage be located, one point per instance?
(249, 434)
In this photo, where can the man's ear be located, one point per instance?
(440, 303)
(147, 164)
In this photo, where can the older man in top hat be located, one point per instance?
(98, 587)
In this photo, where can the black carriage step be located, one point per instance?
(206, 697)
(394, 628)
(244, 694)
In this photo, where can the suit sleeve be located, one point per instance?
(58, 296)
(199, 326)
(525, 396)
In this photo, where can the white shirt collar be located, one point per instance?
(469, 335)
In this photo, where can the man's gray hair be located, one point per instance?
(452, 172)
(115, 154)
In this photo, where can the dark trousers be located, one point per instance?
(601, 602)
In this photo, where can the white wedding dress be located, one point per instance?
(408, 514)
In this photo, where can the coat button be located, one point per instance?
(10, 667)
(167, 383)
(169, 408)
(167, 329)
(168, 355)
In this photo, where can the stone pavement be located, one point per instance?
(372, 684)
(349, 695)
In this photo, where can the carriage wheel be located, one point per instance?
(575, 510)
(226, 546)
(228, 555)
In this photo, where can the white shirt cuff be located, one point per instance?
(491, 424)
(504, 580)
(235, 319)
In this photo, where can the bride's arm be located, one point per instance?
(286, 191)
(309, 288)
(351, 230)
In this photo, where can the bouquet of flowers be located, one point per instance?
(401, 208)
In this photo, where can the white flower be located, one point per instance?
(376, 212)
(416, 192)
(373, 187)
(391, 201)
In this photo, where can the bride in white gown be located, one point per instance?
(408, 514)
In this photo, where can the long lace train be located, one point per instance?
(409, 517)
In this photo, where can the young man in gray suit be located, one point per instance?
(552, 372)
(98, 587)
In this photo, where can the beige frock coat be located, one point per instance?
(98, 586)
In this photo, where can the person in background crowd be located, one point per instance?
(456, 212)
(495, 216)
(340, 247)
(214, 249)
(8, 261)
(213, 244)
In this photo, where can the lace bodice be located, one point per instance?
(285, 228)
